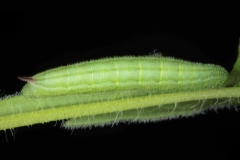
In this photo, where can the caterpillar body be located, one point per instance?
(164, 74)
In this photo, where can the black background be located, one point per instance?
(33, 40)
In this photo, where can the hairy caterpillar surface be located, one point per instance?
(163, 74)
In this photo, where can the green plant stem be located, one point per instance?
(234, 76)
(73, 111)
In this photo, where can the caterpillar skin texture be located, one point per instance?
(164, 74)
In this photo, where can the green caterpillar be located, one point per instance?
(163, 74)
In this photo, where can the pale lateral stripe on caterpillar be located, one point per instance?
(165, 74)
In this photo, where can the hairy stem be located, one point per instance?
(95, 108)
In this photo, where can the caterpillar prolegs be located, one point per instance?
(163, 74)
